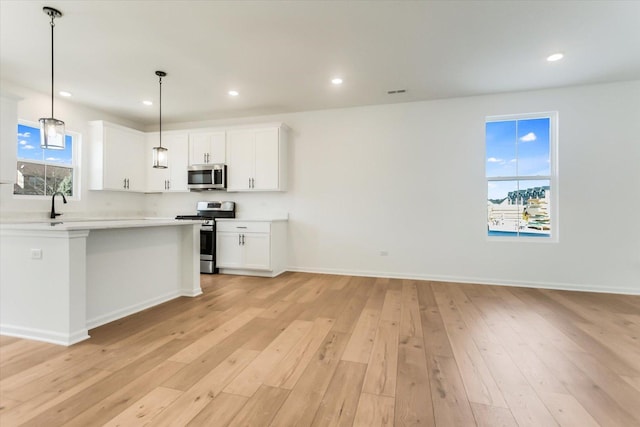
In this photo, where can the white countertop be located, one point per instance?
(61, 225)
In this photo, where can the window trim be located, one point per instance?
(75, 164)
(554, 236)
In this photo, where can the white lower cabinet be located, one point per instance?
(255, 248)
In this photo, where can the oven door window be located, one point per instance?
(201, 177)
(207, 243)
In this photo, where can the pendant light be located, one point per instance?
(160, 158)
(51, 129)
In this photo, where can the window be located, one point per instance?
(521, 175)
(42, 172)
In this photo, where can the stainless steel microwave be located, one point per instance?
(207, 177)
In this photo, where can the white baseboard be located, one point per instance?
(473, 280)
(127, 311)
(43, 335)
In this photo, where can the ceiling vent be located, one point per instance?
(391, 92)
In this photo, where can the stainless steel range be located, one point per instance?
(208, 212)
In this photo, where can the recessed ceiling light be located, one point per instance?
(336, 81)
(234, 93)
(147, 103)
(555, 57)
(64, 93)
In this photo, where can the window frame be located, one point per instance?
(75, 164)
(554, 213)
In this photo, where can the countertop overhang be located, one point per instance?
(62, 225)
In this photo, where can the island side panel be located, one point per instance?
(131, 269)
(190, 242)
(42, 285)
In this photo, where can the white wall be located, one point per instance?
(31, 106)
(408, 179)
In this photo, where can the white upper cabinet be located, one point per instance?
(257, 158)
(173, 178)
(117, 154)
(8, 134)
(207, 147)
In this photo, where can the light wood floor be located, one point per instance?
(320, 350)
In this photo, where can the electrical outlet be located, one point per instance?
(36, 253)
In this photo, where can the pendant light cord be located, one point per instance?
(52, 25)
(160, 111)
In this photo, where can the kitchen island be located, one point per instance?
(59, 279)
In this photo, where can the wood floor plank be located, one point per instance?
(361, 342)
(567, 410)
(392, 306)
(192, 401)
(138, 372)
(261, 407)
(340, 402)
(302, 403)
(195, 350)
(450, 403)
(220, 411)
(291, 367)
(413, 404)
(436, 341)
(143, 411)
(410, 324)
(478, 380)
(250, 379)
(381, 376)
(492, 416)
(24, 411)
(374, 411)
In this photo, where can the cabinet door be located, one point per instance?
(257, 251)
(178, 147)
(198, 148)
(217, 147)
(115, 160)
(228, 250)
(266, 160)
(133, 156)
(207, 147)
(241, 159)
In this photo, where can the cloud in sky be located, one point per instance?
(494, 160)
(28, 147)
(53, 159)
(24, 135)
(529, 137)
(22, 142)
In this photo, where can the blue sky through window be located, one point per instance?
(518, 148)
(29, 147)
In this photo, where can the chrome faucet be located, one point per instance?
(53, 206)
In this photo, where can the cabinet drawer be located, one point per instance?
(244, 226)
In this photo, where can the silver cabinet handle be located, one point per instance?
(124, 183)
(253, 183)
(239, 239)
(243, 240)
(238, 226)
(168, 184)
(249, 182)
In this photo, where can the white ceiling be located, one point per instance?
(281, 55)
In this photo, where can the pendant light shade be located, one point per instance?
(160, 154)
(52, 129)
